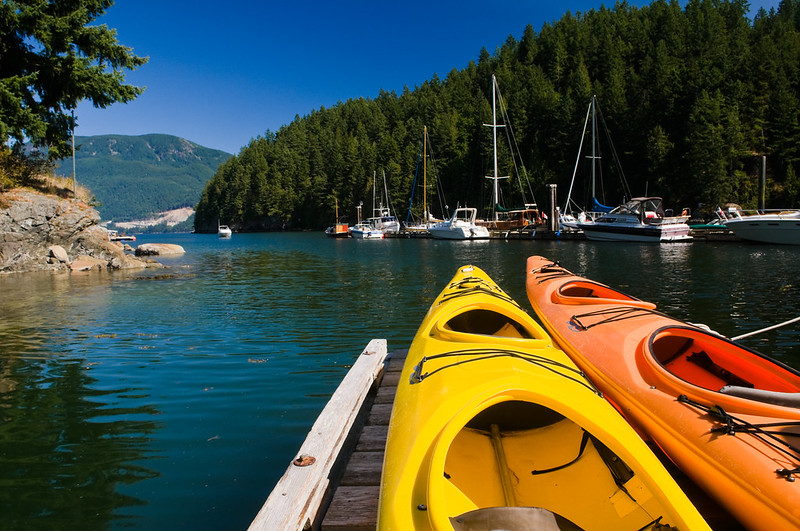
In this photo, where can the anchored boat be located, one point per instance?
(728, 416)
(493, 427)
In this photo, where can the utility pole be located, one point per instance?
(74, 180)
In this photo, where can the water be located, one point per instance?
(175, 398)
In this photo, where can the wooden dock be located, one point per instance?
(334, 482)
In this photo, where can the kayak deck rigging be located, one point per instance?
(544, 362)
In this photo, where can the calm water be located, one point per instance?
(175, 398)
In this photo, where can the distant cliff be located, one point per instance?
(138, 177)
(41, 232)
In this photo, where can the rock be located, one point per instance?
(58, 252)
(87, 263)
(40, 232)
(153, 249)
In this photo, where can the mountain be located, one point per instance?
(136, 177)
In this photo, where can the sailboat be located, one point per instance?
(337, 230)
(502, 218)
(571, 214)
(428, 220)
(382, 218)
(640, 219)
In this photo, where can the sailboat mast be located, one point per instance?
(496, 191)
(594, 144)
(494, 126)
(425, 174)
(373, 192)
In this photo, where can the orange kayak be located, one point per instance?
(727, 415)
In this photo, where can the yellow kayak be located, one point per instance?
(494, 427)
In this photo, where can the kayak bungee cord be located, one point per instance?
(480, 287)
(552, 270)
(734, 425)
(615, 314)
(484, 354)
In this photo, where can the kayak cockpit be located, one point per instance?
(489, 323)
(519, 459)
(588, 292)
(716, 364)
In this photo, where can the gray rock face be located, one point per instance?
(46, 233)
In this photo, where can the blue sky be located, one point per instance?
(222, 73)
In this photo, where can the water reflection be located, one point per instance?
(176, 397)
(66, 447)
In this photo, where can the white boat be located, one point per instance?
(776, 227)
(382, 217)
(642, 219)
(365, 231)
(460, 226)
(223, 231)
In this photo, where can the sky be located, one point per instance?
(223, 73)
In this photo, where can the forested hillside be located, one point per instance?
(134, 177)
(692, 98)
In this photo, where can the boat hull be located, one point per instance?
(625, 232)
(459, 233)
(491, 422)
(671, 381)
(767, 228)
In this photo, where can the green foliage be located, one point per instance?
(134, 177)
(51, 59)
(692, 98)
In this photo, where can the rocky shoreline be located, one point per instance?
(40, 232)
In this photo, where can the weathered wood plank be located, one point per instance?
(295, 500)
(385, 394)
(391, 378)
(380, 414)
(364, 468)
(373, 439)
(353, 508)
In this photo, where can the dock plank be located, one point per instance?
(354, 508)
(299, 494)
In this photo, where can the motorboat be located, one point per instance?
(223, 231)
(642, 219)
(460, 226)
(365, 231)
(781, 227)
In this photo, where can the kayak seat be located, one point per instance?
(768, 397)
(511, 519)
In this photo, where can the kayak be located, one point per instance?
(493, 427)
(726, 415)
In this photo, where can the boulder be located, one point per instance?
(159, 249)
(87, 263)
(40, 232)
(58, 252)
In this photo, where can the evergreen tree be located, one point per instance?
(51, 59)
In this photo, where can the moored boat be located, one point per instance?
(365, 231)
(642, 219)
(781, 227)
(728, 416)
(460, 226)
(495, 428)
(337, 230)
(223, 231)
